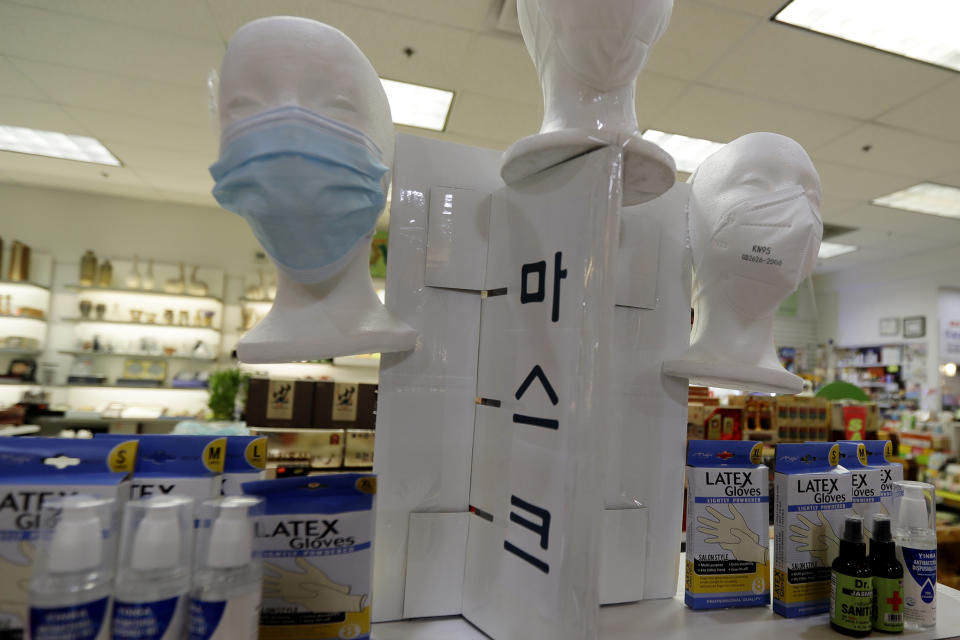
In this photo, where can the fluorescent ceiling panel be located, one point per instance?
(418, 106)
(926, 197)
(688, 153)
(833, 249)
(55, 145)
(924, 30)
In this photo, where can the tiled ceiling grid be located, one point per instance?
(133, 73)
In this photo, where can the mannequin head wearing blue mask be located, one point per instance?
(306, 146)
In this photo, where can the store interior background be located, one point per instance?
(134, 75)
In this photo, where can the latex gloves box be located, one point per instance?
(316, 541)
(728, 561)
(32, 472)
(812, 498)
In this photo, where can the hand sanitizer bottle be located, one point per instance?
(916, 536)
(71, 584)
(225, 599)
(153, 576)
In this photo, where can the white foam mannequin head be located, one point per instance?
(288, 61)
(588, 56)
(755, 229)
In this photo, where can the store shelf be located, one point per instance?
(141, 292)
(120, 354)
(20, 352)
(14, 317)
(255, 301)
(127, 387)
(152, 325)
(869, 366)
(26, 285)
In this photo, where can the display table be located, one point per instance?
(669, 619)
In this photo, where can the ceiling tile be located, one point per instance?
(934, 113)
(186, 18)
(861, 257)
(150, 100)
(35, 34)
(886, 219)
(822, 73)
(655, 93)
(14, 84)
(172, 163)
(952, 179)
(832, 207)
(500, 67)
(856, 183)
(53, 168)
(38, 115)
(485, 117)
(714, 114)
(132, 190)
(892, 150)
(761, 8)
(464, 14)
(197, 185)
(117, 128)
(697, 36)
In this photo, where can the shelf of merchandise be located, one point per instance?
(121, 354)
(141, 292)
(256, 301)
(130, 387)
(882, 365)
(152, 325)
(20, 352)
(22, 283)
(16, 317)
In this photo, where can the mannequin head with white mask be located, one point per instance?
(755, 229)
(588, 56)
(306, 146)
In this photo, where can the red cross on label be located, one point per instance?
(895, 600)
(725, 455)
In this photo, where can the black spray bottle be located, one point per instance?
(887, 578)
(851, 583)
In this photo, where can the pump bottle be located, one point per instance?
(225, 598)
(153, 579)
(916, 536)
(887, 578)
(851, 584)
(71, 585)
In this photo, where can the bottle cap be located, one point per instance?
(853, 529)
(231, 538)
(881, 529)
(77, 542)
(157, 533)
(915, 502)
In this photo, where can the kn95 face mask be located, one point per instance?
(764, 247)
(311, 188)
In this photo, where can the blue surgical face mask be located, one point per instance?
(310, 187)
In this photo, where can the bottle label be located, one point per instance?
(851, 601)
(81, 622)
(157, 620)
(919, 585)
(888, 604)
(235, 619)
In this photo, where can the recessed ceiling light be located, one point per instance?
(417, 106)
(833, 249)
(924, 30)
(926, 197)
(55, 145)
(688, 153)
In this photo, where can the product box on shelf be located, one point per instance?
(33, 471)
(177, 465)
(246, 461)
(280, 403)
(728, 563)
(316, 541)
(345, 405)
(812, 498)
(358, 451)
(800, 419)
(854, 421)
(316, 448)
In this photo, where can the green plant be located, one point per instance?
(223, 386)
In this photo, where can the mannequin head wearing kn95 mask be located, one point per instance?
(305, 150)
(588, 56)
(755, 229)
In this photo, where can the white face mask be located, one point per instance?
(761, 250)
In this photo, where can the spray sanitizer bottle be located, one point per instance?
(225, 599)
(153, 574)
(887, 578)
(851, 583)
(73, 571)
(916, 534)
